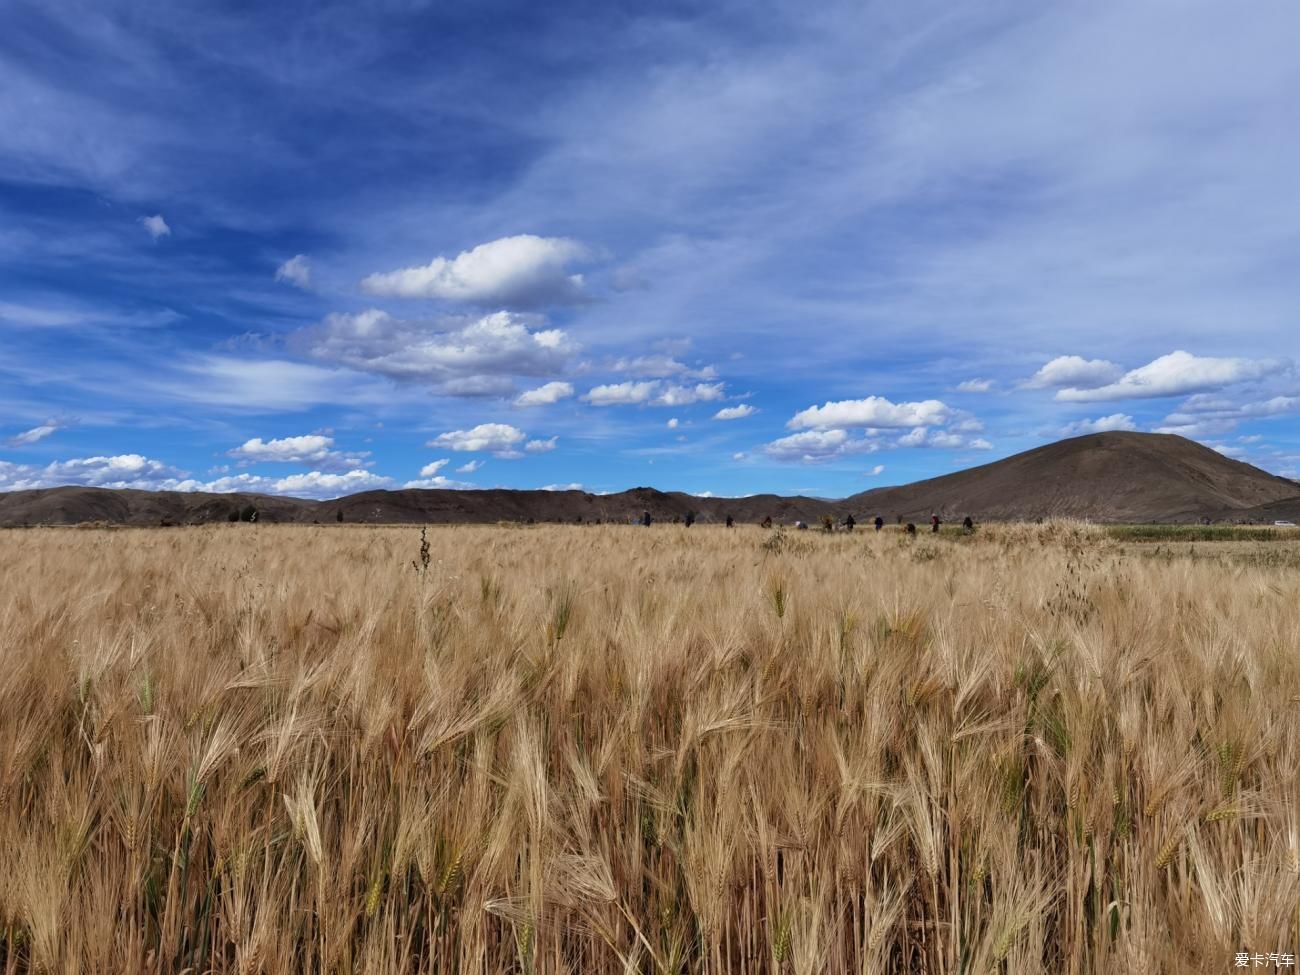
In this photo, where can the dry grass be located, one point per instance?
(260, 749)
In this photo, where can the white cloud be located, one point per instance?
(34, 317)
(34, 435)
(814, 446)
(672, 424)
(473, 359)
(545, 395)
(433, 467)
(1198, 428)
(155, 226)
(874, 412)
(621, 394)
(1076, 371)
(116, 471)
(925, 437)
(654, 392)
(518, 272)
(135, 471)
(1236, 453)
(735, 412)
(975, 386)
(499, 438)
(660, 366)
(979, 443)
(686, 395)
(541, 446)
(296, 271)
(320, 485)
(467, 468)
(265, 385)
(440, 483)
(875, 471)
(1102, 424)
(1176, 374)
(315, 484)
(307, 449)
(561, 487)
(1202, 408)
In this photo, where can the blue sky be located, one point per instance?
(314, 248)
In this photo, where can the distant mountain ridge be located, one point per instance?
(1109, 477)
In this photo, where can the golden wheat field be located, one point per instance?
(613, 749)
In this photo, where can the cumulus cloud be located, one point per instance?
(979, 443)
(155, 226)
(875, 471)
(1176, 374)
(34, 435)
(1236, 453)
(541, 446)
(686, 395)
(320, 485)
(621, 394)
(473, 359)
(1204, 407)
(308, 449)
(498, 438)
(975, 386)
(672, 424)
(135, 471)
(467, 468)
(561, 487)
(735, 412)
(116, 471)
(1075, 371)
(660, 366)
(524, 271)
(1102, 424)
(815, 446)
(433, 467)
(440, 483)
(654, 392)
(316, 484)
(925, 437)
(296, 271)
(874, 412)
(545, 395)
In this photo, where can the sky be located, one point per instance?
(724, 247)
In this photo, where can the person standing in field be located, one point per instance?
(968, 526)
(880, 523)
(910, 529)
(850, 522)
(645, 518)
(935, 523)
(766, 522)
(690, 518)
(731, 522)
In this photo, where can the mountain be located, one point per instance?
(1116, 477)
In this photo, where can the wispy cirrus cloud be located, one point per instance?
(34, 435)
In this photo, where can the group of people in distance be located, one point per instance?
(828, 523)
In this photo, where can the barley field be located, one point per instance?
(607, 749)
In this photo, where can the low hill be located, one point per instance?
(1116, 477)
(83, 505)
